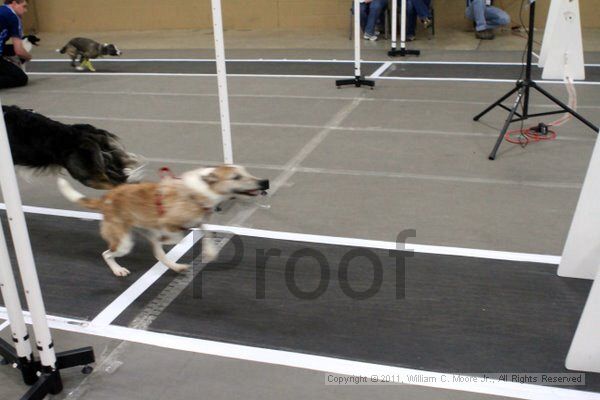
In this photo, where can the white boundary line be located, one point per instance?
(341, 241)
(125, 299)
(4, 324)
(299, 126)
(377, 244)
(333, 77)
(310, 362)
(381, 70)
(286, 60)
(275, 96)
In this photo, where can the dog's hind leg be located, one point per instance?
(120, 244)
(160, 255)
(79, 58)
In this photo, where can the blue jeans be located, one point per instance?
(486, 17)
(370, 13)
(414, 9)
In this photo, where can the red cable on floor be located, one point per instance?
(527, 135)
(524, 136)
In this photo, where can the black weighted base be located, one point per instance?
(47, 383)
(27, 366)
(403, 52)
(357, 81)
(45, 380)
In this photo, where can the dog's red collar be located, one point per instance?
(158, 201)
(164, 172)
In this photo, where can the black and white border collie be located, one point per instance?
(93, 156)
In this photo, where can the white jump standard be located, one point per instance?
(403, 51)
(43, 374)
(358, 80)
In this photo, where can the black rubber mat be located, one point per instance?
(439, 313)
(209, 67)
(74, 279)
(511, 72)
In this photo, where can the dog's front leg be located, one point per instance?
(89, 65)
(118, 248)
(209, 249)
(160, 255)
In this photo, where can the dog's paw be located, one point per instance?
(209, 253)
(121, 271)
(179, 267)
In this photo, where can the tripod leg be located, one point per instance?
(506, 96)
(492, 155)
(564, 106)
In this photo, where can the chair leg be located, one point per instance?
(387, 24)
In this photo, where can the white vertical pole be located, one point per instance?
(402, 25)
(222, 81)
(394, 23)
(18, 228)
(357, 39)
(8, 287)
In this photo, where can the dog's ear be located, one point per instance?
(210, 178)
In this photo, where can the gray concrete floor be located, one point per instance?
(371, 164)
(132, 371)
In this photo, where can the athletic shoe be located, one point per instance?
(486, 34)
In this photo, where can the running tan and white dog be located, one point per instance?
(163, 211)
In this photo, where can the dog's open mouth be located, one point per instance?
(252, 193)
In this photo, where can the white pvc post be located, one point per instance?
(402, 24)
(584, 354)
(20, 236)
(8, 287)
(222, 81)
(357, 39)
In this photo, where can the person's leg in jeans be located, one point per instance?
(422, 9)
(376, 7)
(411, 19)
(496, 17)
(476, 12)
(364, 12)
(11, 75)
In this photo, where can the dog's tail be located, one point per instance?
(73, 195)
(63, 50)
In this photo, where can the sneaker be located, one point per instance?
(486, 34)
(410, 38)
(370, 37)
(426, 23)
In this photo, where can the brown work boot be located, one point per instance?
(486, 34)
